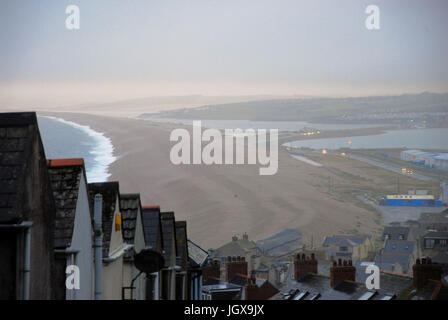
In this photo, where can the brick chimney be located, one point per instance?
(340, 271)
(235, 265)
(251, 288)
(211, 270)
(304, 265)
(424, 271)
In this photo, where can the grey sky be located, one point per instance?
(225, 46)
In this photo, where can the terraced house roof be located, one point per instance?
(19, 136)
(65, 177)
(110, 191)
(130, 207)
(152, 227)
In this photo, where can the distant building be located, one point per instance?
(396, 233)
(239, 247)
(425, 283)
(354, 247)
(73, 232)
(435, 240)
(397, 256)
(27, 211)
(434, 221)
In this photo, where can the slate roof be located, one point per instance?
(65, 178)
(317, 287)
(18, 132)
(196, 255)
(168, 235)
(152, 227)
(130, 207)
(396, 251)
(110, 191)
(238, 247)
(345, 240)
(181, 240)
(394, 232)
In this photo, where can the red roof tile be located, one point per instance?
(65, 162)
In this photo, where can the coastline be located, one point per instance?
(220, 201)
(102, 152)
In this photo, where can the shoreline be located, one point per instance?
(219, 201)
(102, 152)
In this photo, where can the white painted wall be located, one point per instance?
(82, 241)
(113, 271)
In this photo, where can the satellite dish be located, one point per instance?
(149, 261)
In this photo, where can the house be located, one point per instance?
(197, 259)
(134, 282)
(396, 233)
(182, 283)
(353, 247)
(397, 256)
(152, 225)
(170, 254)
(114, 247)
(239, 247)
(435, 241)
(27, 211)
(73, 231)
(434, 221)
(342, 284)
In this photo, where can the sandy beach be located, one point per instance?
(219, 201)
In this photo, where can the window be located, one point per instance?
(344, 249)
(400, 236)
(429, 243)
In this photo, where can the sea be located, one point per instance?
(66, 139)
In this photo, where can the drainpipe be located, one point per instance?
(98, 245)
(27, 264)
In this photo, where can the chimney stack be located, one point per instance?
(303, 266)
(424, 271)
(211, 270)
(341, 271)
(251, 288)
(234, 266)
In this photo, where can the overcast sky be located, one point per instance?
(222, 47)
